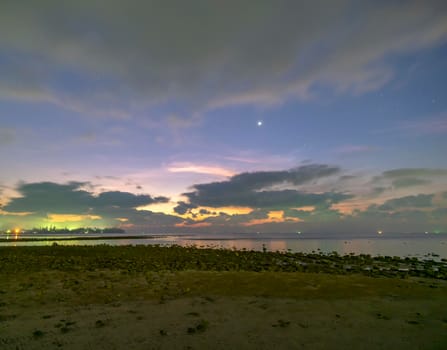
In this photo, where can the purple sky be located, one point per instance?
(224, 116)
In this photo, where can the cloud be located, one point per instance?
(48, 204)
(414, 213)
(50, 197)
(183, 207)
(378, 190)
(126, 200)
(23, 80)
(264, 179)
(276, 216)
(418, 201)
(414, 172)
(254, 189)
(409, 182)
(411, 177)
(70, 198)
(205, 55)
(270, 220)
(199, 169)
(267, 201)
(432, 126)
(439, 214)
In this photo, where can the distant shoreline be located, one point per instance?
(67, 236)
(419, 246)
(77, 238)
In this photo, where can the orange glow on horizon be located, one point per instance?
(127, 225)
(122, 219)
(23, 213)
(194, 214)
(306, 208)
(229, 210)
(197, 224)
(164, 208)
(58, 218)
(274, 216)
(348, 207)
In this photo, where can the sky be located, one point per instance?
(224, 116)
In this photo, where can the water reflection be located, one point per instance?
(402, 246)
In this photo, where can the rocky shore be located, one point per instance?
(150, 297)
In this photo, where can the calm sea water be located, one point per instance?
(415, 245)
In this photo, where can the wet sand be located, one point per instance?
(114, 308)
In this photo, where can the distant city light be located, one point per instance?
(379, 232)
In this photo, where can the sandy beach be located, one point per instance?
(114, 308)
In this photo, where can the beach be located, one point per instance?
(151, 298)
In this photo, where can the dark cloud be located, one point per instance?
(320, 220)
(410, 177)
(112, 208)
(418, 201)
(409, 182)
(49, 197)
(263, 199)
(204, 54)
(378, 190)
(183, 207)
(147, 220)
(264, 179)
(347, 177)
(415, 213)
(439, 214)
(414, 173)
(296, 176)
(252, 189)
(408, 219)
(125, 200)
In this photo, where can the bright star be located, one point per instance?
(259, 122)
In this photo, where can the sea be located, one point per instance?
(422, 246)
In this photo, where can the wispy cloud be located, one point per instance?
(243, 159)
(433, 126)
(200, 169)
(429, 125)
(206, 66)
